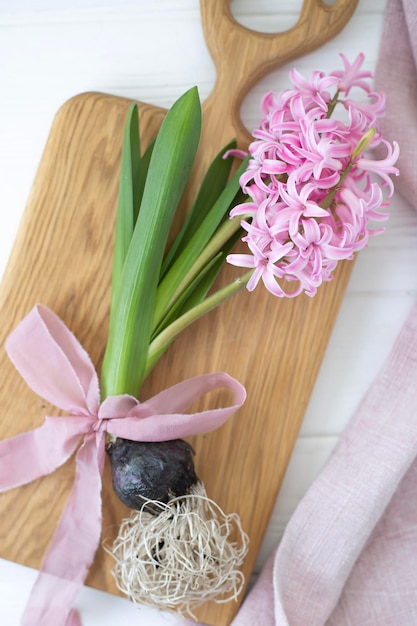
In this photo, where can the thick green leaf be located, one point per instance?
(127, 205)
(213, 184)
(193, 256)
(164, 339)
(143, 172)
(131, 316)
(194, 293)
(201, 285)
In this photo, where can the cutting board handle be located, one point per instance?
(243, 56)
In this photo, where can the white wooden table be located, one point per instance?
(153, 51)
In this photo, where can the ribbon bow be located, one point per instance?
(55, 365)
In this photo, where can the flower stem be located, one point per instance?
(222, 236)
(327, 201)
(361, 146)
(167, 336)
(332, 104)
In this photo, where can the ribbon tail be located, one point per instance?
(73, 545)
(73, 618)
(28, 456)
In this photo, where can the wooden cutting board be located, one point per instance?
(62, 258)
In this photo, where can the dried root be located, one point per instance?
(186, 555)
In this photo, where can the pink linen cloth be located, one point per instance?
(348, 556)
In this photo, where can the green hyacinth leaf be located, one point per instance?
(213, 184)
(197, 291)
(194, 293)
(128, 198)
(192, 258)
(164, 339)
(143, 172)
(133, 305)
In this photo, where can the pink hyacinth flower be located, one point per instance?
(351, 76)
(384, 167)
(312, 194)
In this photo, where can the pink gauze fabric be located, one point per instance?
(57, 368)
(348, 556)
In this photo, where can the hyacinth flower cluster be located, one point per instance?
(303, 199)
(313, 193)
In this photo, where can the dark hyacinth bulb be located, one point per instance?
(151, 470)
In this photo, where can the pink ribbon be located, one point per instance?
(55, 365)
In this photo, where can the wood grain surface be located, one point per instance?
(62, 258)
